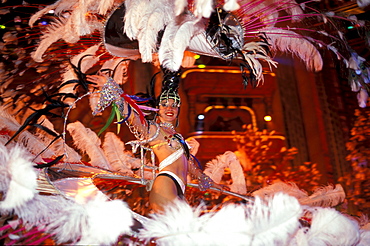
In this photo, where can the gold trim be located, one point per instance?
(216, 70)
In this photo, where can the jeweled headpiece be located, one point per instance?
(170, 87)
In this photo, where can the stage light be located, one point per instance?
(2, 27)
(267, 118)
(196, 57)
(200, 116)
(201, 66)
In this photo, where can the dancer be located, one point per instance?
(175, 155)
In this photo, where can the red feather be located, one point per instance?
(133, 104)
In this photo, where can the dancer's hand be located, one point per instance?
(99, 80)
(194, 145)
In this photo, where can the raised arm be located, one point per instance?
(130, 113)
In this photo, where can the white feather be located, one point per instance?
(105, 6)
(328, 196)
(33, 144)
(364, 238)
(153, 21)
(114, 150)
(274, 222)
(176, 39)
(21, 175)
(231, 5)
(173, 226)
(330, 227)
(215, 168)
(88, 142)
(53, 33)
(203, 8)
(180, 5)
(289, 41)
(106, 220)
(59, 147)
(287, 188)
(135, 10)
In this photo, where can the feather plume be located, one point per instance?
(290, 189)
(59, 6)
(328, 226)
(114, 150)
(135, 10)
(364, 238)
(54, 32)
(289, 41)
(33, 144)
(176, 39)
(180, 5)
(154, 20)
(105, 6)
(274, 222)
(59, 147)
(88, 142)
(231, 5)
(110, 218)
(215, 168)
(166, 226)
(20, 177)
(328, 196)
(203, 8)
(237, 174)
(261, 223)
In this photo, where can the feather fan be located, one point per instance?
(328, 226)
(289, 41)
(114, 150)
(328, 196)
(176, 39)
(18, 174)
(88, 142)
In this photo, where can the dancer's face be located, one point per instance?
(168, 111)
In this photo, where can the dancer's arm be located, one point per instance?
(135, 120)
(204, 181)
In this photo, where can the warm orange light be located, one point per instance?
(267, 118)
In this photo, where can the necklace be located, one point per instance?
(167, 125)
